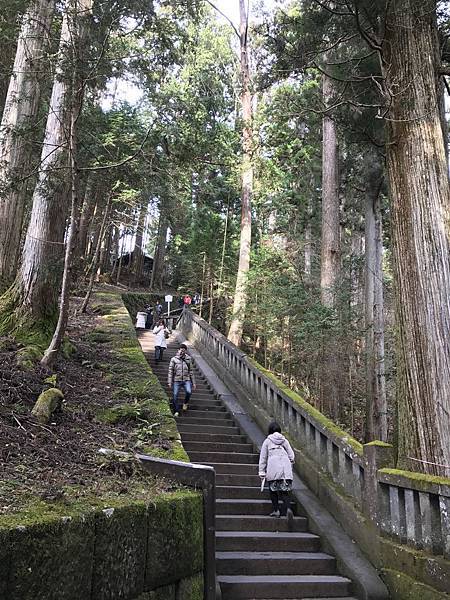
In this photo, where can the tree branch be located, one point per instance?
(224, 16)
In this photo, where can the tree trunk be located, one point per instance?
(156, 281)
(330, 253)
(86, 216)
(240, 294)
(308, 245)
(138, 254)
(420, 212)
(376, 404)
(331, 245)
(21, 106)
(79, 10)
(96, 256)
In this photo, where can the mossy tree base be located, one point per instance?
(18, 321)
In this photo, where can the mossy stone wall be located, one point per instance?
(129, 372)
(111, 554)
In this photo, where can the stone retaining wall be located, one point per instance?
(131, 551)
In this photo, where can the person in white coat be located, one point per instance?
(161, 332)
(275, 466)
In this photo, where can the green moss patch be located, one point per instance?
(52, 558)
(120, 550)
(136, 387)
(403, 587)
(175, 539)
(420, 481)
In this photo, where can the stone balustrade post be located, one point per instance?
(377, 455)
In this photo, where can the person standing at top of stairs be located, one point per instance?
(275, 466)
(162, 333)
(181, 375)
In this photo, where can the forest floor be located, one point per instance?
(60, 461)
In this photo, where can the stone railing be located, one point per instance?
(412, 508)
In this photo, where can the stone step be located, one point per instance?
(236, 587)
(234, 479)
(216, 447)
(275, 563)
(198, 405)
(240, 491)
(234, 468)
(230, 457)
(230, 506)
(207, 414)
(258, 523)
(212, 438)
(185, 427)
(266, 541)
(222, 422)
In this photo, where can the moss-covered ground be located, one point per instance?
(112, 400)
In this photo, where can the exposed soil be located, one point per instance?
(61, 460)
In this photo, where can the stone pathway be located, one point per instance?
(257, 556)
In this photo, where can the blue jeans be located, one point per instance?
(159, 350)
(187, 385)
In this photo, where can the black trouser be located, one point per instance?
(284, 497)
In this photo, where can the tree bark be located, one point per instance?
(156, 281)
(331, 244)
(308, 247)
(21, 106)
(376, 404)
(330, 389)
(240, 294)
(86, 216)
(420, 212)
(138, 254)
(79, 9)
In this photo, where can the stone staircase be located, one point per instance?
(257, 556)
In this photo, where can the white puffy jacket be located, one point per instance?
(276, 458)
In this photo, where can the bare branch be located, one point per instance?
(224, 16)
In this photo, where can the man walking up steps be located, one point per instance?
(181, 375)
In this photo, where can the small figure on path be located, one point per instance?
(162, 333)
(275, 466)
(187, 300)
(149, 318)
(180, 376)
(158, 309)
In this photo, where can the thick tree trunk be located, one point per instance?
(39, 277)
(240, 294)
(420, 212)
(331, 244)
(376, 404)
(21, 106)
(330, 253)
(79, 10)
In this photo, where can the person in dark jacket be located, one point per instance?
(181, 375)
(149, 318)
